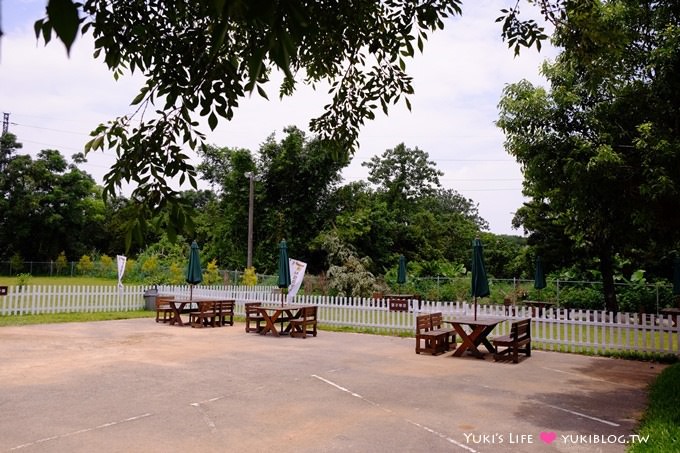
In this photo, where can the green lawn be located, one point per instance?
(660, 428)
(13, 281)
(53, 318)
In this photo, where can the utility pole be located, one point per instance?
(251, 204)
(5, 122)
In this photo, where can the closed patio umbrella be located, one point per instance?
(401, 271)
(194, 273)
(676, 276)
(480, 284)
(284, 270)
(539, 275)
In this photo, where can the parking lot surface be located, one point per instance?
(138, 386)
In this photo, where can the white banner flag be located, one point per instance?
(297, 274)
(121, 268)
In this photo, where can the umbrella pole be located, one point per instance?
(191, 292)
(475, 308)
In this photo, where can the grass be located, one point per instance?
(24, 320)
(661, 420)
(600, 338)
(58, 281)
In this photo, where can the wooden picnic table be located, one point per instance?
(178, 307)
(281, 314)
(399, 302)
(673, 313)
(479, 330)
(538, 304)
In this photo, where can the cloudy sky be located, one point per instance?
(54, 101)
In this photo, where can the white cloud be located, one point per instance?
(55, 101)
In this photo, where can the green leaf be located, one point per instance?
(262, 93)
(212, 121)
(140, 96)
(37, 28)
(63, 15)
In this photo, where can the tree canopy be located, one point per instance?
(201, 58)
(47, 205)
(600, 151)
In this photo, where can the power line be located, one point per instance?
(50, 129)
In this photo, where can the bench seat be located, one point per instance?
(518, 341)
(431, 337)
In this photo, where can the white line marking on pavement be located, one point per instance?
(80, 431)
(583, 415)
(208, 421)
(430, 430)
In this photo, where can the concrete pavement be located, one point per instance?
(138, 386)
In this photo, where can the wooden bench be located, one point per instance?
(300, 325)
(435, 338)
(224, 312)
(163, 307)
(253, 315)
(519, 340)
(205, 316)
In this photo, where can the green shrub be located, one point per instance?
(250, 277)
(61, 263)
(582, 298)
(211, 275)
(16, 262)
(85, 265)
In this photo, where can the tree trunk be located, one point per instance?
(607, 271)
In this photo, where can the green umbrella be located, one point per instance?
(676, 276)
(194, 273)
(539, 275)
(480, 284)
(284, 269)
(401, 271)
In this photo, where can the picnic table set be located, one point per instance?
(294, 320)
(433, 337)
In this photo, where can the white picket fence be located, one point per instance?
(553, 329)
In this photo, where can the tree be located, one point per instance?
(403, 175)
(205, 56)
(296, 177)
(600, 151)
(225, 227)
(48, 206)
(8, 146)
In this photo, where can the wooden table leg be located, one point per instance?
(470, 341)
(485, 339)
(176, 310)
(270, 323)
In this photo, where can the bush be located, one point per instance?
(16, 262)
(85, 265)
(250, 277)
(106, 267)
(211, 275)
(582, 298)
(61, 263)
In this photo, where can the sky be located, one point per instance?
(55, 100)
